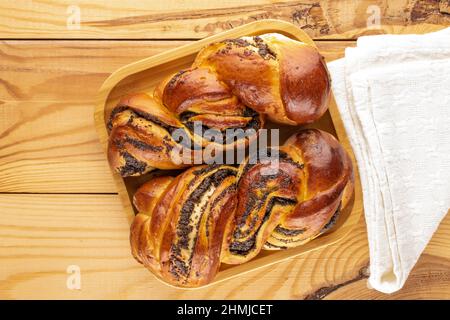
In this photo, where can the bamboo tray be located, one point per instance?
(144, 75)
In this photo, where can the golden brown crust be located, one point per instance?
(305, 88)
(252, 77)
(195, 86)
(284, 79)
(263, 199)
(142, 233)
(328, 175)
(147, 196)
(217, 213)
(185, 232)
(142, 135)
(232, 84)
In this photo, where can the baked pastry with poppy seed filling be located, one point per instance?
(179, 230)
(232, 84)
(211, 214)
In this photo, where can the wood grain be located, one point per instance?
(43, 234)
(48, 145)
(48, 92)
(175, 19)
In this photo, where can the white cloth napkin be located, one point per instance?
(393, 94)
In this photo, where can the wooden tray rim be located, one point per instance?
(254, 28)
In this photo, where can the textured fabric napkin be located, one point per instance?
(393, 94)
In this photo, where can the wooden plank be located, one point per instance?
(43, 234)
(48, 92)
(175, 19)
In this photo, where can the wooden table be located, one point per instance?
(58, 204)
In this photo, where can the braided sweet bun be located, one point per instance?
(179, 230)
(142, 135)
(284, 79)
(296, 204)
(232, 84)
(188, 225)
